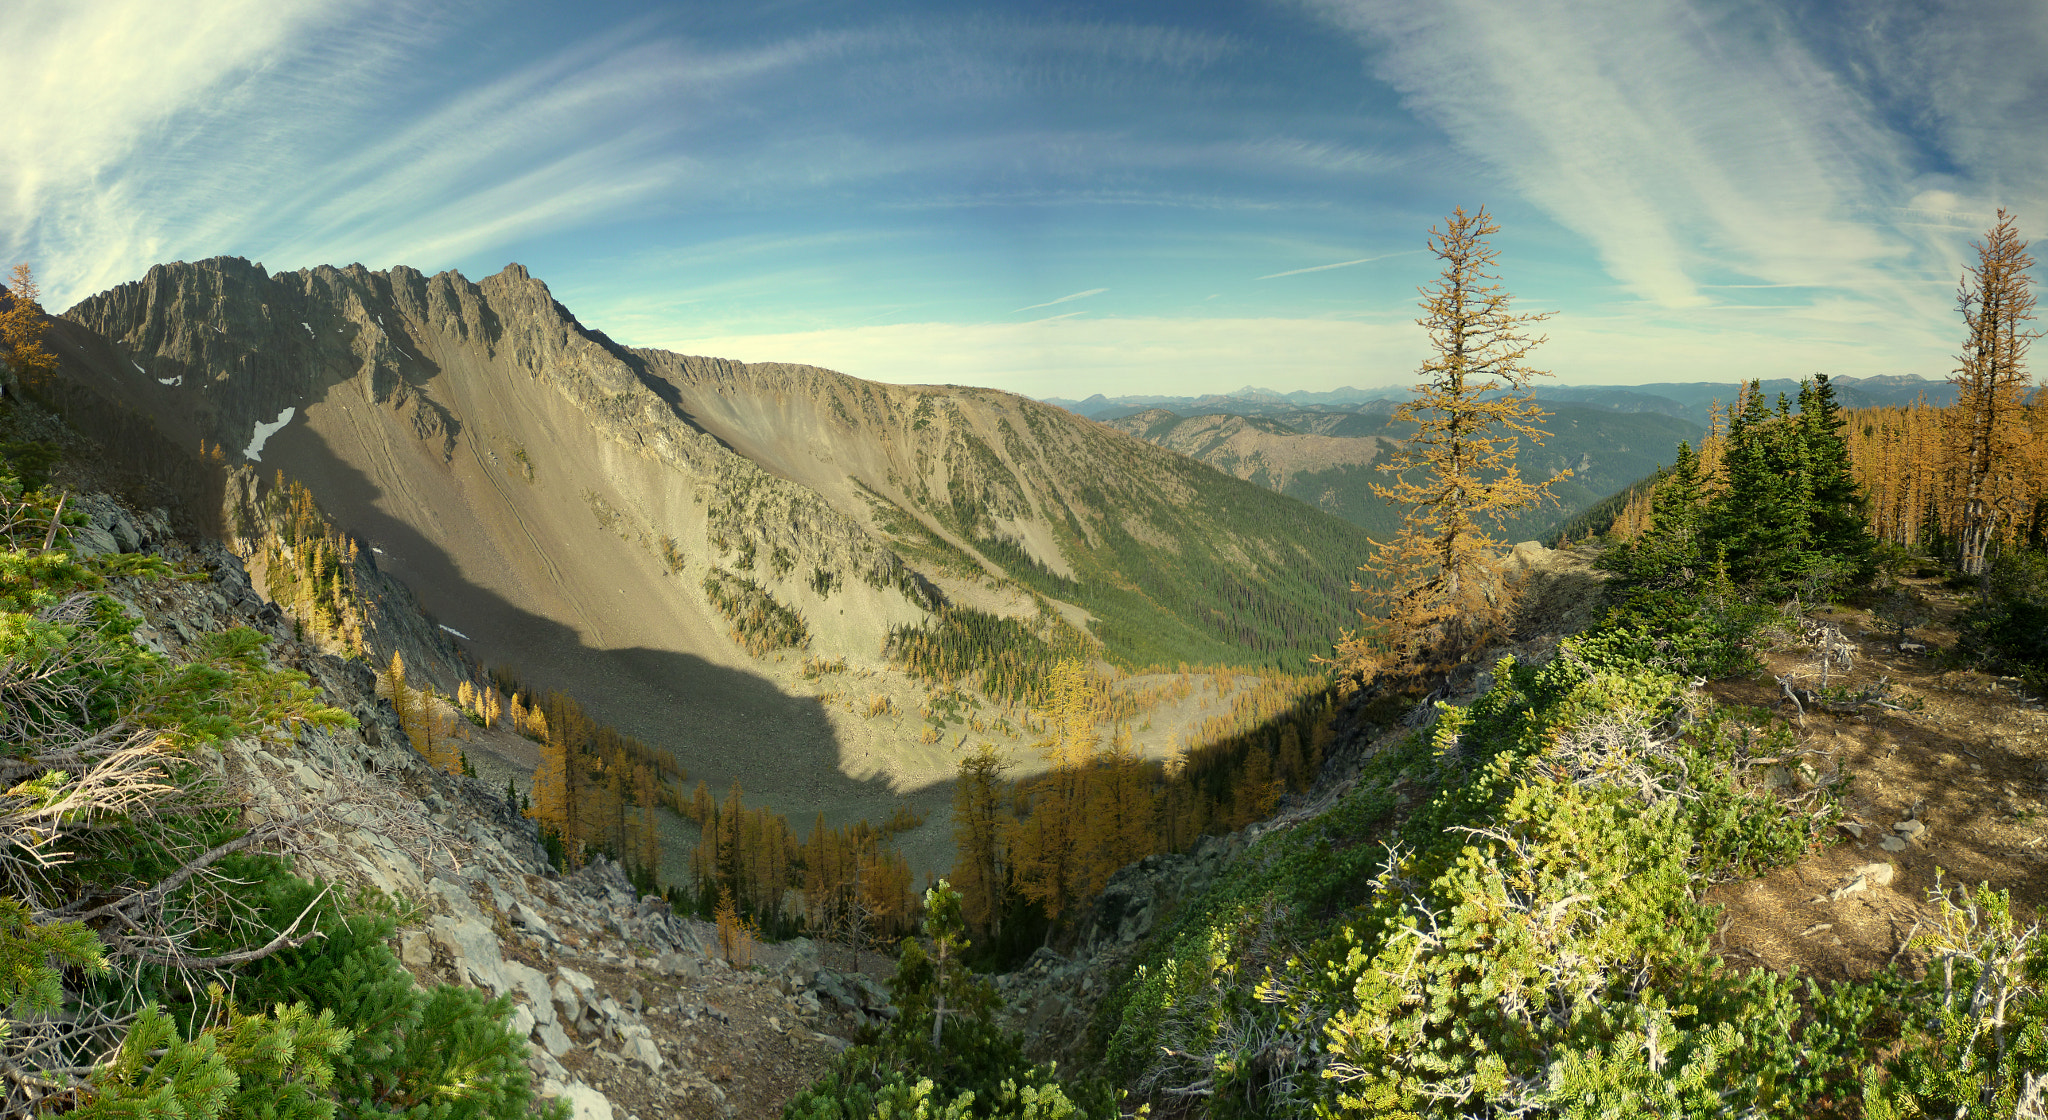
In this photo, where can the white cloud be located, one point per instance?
(89, 83)
(1075, 357)
(1684, 144)
(303, 133)
(1339, 264)
(1064, 299)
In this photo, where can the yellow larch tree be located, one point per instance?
(1986, 449)
(649, 853)
(1123, 812)
(1046, 843)
(1455, 475)
(21, 327)
(551, 789)
(980, 818)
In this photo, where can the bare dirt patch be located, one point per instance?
(1954, 782)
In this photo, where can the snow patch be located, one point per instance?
(375, 549)
(173, 382)
(308, 326)
(138, 367)
(263, 432)
(454, 631)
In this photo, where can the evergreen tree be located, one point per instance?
(1763, 515)
(1671, 552)
(1840, 511)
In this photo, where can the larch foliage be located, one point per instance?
(1455, 476)
(979, 822)
(405, 703)
(1123, 811)
(1987, 436)
(21, 326)
(1047, 844)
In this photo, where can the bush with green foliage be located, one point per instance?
(944, 1056)
(1976, 1025)
(1528, 936)
(2008, 626)
(131, 900)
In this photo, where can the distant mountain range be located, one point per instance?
(1688, 400)
(1330, 458)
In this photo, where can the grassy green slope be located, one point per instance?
(1176, 561)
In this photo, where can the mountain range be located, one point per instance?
(585, 515)
(1688, 400)
(1331, 459)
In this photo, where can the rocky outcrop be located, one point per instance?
(237, 347)
(627, 1013)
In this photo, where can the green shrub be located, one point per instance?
(1529, 940)
(759, 622)
(944, 1055)
(2008, 627)
(1975, 1039)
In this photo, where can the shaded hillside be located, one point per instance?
(1329, 459)
(579, 512)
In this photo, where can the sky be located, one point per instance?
(1062, 199)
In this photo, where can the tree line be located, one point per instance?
(308, 564)
(1967, 481)
(1031, 852)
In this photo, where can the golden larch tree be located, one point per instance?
(1046, 844)
(1455, 475)
(551, 788)
(1987, 431)
(408, 706)
(1123, 813)
(649, 853)
(980, 819)
(21, 327)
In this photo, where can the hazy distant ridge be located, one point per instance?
(1689, 400)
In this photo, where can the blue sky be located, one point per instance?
(1065, 199)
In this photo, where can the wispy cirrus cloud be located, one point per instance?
(242, 127)
(1062, 299)
(97, 81)
(1339, 264)
(1682, 143)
